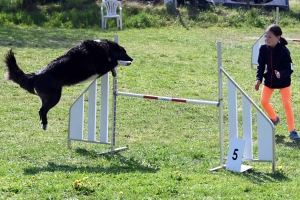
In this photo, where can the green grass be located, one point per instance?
(137, 14)
(172, 146)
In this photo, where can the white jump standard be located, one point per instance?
(76, 114)
(265, 132)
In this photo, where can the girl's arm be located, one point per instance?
(287, 66)
(261, 65)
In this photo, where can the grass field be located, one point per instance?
(172, 146)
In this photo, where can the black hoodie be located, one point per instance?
(276, 58)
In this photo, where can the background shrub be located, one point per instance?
(137, 14)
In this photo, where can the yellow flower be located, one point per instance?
(176, 172)
(121, 192)
(78, 184)
(270, 169)
(279, 167)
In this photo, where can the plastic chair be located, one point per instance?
(111, 7)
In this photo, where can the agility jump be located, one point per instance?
(265, 129)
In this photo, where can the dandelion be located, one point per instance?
(77, 183)
(176, 172)
(121, 192)
(280, 167)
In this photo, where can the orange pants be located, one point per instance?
(286, 102)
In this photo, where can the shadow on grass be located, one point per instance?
(262, 177)
(181, 19)
(175, 12)
(35, 37)
(118, 164)
(280, 139)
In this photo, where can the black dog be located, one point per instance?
(89, 58)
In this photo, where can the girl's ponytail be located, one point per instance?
(283, 41)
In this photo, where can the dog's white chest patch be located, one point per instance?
(124, 62)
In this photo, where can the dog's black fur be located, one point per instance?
(89, 58)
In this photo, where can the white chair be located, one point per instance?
(111, 7)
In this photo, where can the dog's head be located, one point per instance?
(119, 54)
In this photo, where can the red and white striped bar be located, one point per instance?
(293, 40)
(192, 101)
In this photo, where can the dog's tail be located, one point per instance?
(16, 75)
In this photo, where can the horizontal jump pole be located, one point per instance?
(293, 40)
(191, 101)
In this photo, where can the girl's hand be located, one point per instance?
(277, 74)
(257, 84)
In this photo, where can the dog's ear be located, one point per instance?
(114, 50)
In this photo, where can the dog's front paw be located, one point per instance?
(114, 72)
(45, 127)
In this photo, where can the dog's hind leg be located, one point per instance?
(48, 102)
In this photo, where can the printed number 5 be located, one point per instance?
(235, 155)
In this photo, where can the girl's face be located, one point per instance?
(270, 39)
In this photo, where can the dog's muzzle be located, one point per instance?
(124, 63)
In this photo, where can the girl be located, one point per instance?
(274, 57)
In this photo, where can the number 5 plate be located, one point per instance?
(235, 154)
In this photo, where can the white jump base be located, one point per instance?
(265, 129)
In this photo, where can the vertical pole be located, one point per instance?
(114, 108)
(104, 105)
(104, 108)
(221, 131)
(277, 15)
(114, 112)
(274, 153)
(92, 109)
(232, 110)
